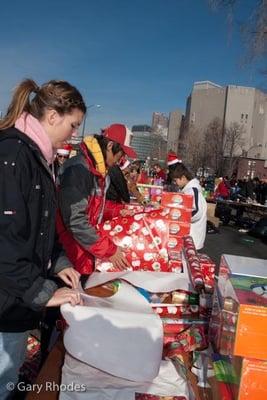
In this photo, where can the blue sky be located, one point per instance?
(131, 56)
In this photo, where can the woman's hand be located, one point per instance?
(119, 260)
(70, 276)
(63, 296)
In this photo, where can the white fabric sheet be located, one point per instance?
(119, 334)
(151, 281)
(102, 386)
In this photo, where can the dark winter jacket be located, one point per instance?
(27, 227)
(117, 193)
(82, 190)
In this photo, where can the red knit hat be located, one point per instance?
(172, 158)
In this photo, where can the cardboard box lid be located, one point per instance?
(246, 266)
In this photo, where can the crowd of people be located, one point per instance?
(246, 190)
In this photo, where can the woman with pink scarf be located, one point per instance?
(39, 120)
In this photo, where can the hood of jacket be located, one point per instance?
(193, 183)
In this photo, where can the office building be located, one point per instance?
(175, 122)
(148, 144)
(245, 106)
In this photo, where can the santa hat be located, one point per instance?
(172, 158)
(65, 150)
(124, 163)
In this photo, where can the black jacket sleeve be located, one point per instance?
(21, 280)
(118, 189)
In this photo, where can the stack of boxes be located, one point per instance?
(168, 226)
(151, 193)
(238, 328)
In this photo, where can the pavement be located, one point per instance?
(230, 241)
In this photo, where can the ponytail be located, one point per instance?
(58, 95)
(20, 103)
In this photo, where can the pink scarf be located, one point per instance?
(29, 125)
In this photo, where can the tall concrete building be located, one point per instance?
(206, 102)
(231, 104)
(174, 129)
(160, 123)
(148, 144)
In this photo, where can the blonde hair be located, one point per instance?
(57, 95)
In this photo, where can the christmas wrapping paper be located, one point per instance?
(177, 200)
(143, 239)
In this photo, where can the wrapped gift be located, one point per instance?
(144, 241)
(134, 208)
(151, 193)
(177, 200)
(175, 265)
(173, 325)
(179, 229)
(177, 214)
(191, 339)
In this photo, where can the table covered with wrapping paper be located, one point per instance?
(51, 371)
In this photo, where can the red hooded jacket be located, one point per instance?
(81, 192)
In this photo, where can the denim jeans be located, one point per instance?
(13, 347)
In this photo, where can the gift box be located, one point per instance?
(174, 244)
(237, 265)
(134, 208)
(175, 265)
(179, 229)
(242, 378)
(189, 340)
(173, 325)
(150, 192)
(242, 288)
(180, 214)
(239, 314)
(169, 199)
(253, 380)
(143, 239)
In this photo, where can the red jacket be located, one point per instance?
(222, 190)
(81, 193)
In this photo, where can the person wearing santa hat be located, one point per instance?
(172, 160)
(62, 155)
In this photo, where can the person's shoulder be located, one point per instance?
(13, 142)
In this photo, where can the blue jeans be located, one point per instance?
(13, 346)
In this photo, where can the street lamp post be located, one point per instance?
(85, 116)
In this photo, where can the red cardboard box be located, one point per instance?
(177, 200)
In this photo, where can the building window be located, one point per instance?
(246, 116)
(242, 116)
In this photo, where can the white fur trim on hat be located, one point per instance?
(125, 165)
(176, 161)
(63, 152)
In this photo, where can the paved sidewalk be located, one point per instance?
(230, 241)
